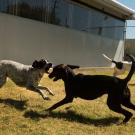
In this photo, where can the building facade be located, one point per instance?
(130, 46)
(62, 31)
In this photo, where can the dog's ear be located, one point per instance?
(35, 64)
(43, 61)
(73, 66)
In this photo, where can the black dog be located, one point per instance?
(90, 87)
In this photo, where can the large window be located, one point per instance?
(66, 13)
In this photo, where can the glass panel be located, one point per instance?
(32, 9)
(80, 18)
(105, 25)
(8, 6)
(3, 5)
(95, 22)
(112, 27)
(60, 13)
(12, 7)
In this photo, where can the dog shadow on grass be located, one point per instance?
(72, 116)
(17, 104)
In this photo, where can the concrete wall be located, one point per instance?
(130, 46)
(24, 40)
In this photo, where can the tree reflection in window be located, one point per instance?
(42, 10)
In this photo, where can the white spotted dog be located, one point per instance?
(27, 76)
(120, 67)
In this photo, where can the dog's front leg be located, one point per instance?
(60, 103)
(43, 95)
(47, 89)
(36, 89)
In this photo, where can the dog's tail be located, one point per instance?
(132, 68)
(109, 59)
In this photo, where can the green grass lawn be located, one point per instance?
(22, 112)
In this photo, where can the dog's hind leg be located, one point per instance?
(126, 100)
(128, 104)
(116, 107)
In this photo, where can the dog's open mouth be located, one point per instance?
(47, 71)
(53, 77)
(49, 65)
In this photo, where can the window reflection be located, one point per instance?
(67, 14)
(62, 13)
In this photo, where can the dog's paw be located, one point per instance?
(46, 98)
(51, 93)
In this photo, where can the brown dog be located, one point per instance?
(90, 87)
